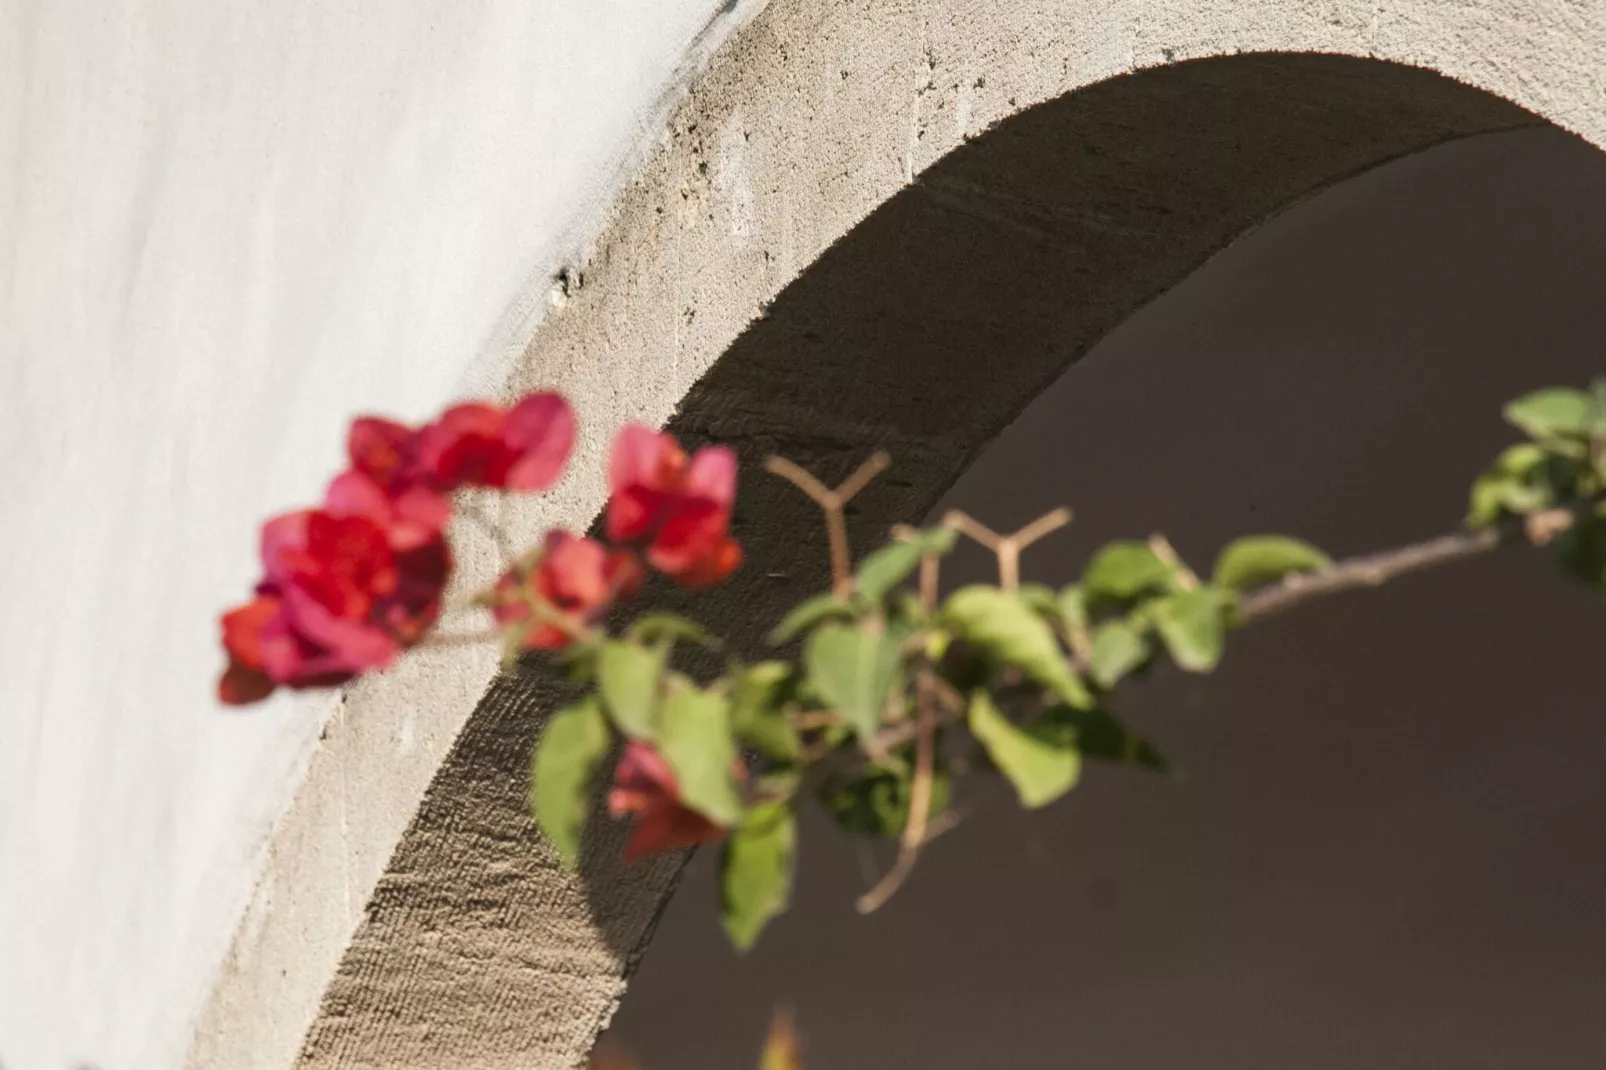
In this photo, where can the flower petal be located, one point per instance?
(464, 447)
(712, 476)
(712, 567)
(380, 449)
(355, 493)
(242, 630)
(645, 471)
(410, 516)
(241, 685)
(669, 828)
(283, 540)
(642, 771)
(342, 643)
(540, 432)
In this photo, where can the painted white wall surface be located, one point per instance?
(225, 227)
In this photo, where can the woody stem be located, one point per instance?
(836, 529)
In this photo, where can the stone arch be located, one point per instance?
(866, 219)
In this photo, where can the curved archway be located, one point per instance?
(1383, 819)
(1020, 249)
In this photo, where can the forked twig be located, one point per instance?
(831, 502)
(800, 477)
(1007, 548)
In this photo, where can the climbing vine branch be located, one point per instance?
(878, 693)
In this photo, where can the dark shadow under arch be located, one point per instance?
(923, 332)
(1380, 848)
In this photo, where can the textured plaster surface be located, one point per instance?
(824, 141)
(225, 226)
(386, 932)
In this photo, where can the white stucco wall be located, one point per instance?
(225, 226)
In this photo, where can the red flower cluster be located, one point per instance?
(681, 511)
(644, 785)
(571, 586)
(348, 586)
(678, 510)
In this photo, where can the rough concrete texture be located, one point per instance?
(825, 146)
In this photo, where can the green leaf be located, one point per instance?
(1494, 495)
(937, 540)
(756, 872)
(889, 566)
(1520, 460)
(628, 677)
(883, 570)
(1073, 607)
(877, 803)
(807, 614)
(695, 739)
(758, 695)
(1124, 570)
(1041, 770)
(854, 670)
(1595, 415)
(1004, 626)
(562, 769)
(1041, 598)
(653, 628)
(1098, 734)
(1595, 425)
(578, 664)
(1581, 550)
(1257, 559)
(1523, 479)
(1192, 625)
(1597, 432)
(905, 608)
(1118, 648)
(1595, 418)
(1556, 413)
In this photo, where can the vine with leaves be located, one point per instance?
(882, 691)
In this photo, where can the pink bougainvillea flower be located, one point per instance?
(576, 579)
(386, 485)
(421, 575)
(410, 516)
(464, 447)
(349, 586)
(384, 451)
(329, 574)
(644, 785)
(680, 509)
(337, 600)
(245, 680)
(478, 444)
(540, 431)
